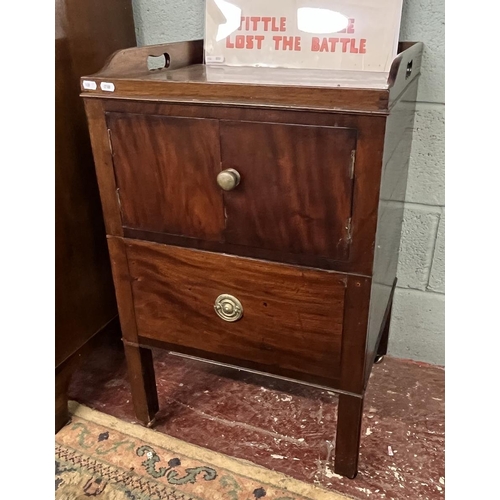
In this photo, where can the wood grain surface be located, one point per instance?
(296, 187)
(370, 134)
(292, 321)
(86, 33)
(166, 171)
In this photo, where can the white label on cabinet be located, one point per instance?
(89, 85)
(107, 86)
(215, 59)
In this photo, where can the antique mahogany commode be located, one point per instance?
(256, 225)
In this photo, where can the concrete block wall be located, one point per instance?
(417, 329)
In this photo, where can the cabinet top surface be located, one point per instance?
(202, 74)
(184, 78)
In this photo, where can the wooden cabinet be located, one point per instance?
(87, 33)
(251, 224)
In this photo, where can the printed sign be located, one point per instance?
(313, 34)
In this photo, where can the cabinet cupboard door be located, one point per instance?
(296, 187)
(166, 170)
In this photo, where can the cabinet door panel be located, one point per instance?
(295, 193)
(166, 170)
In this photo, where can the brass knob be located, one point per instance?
(228, 308)
(228, 179)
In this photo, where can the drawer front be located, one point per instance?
(292, 317)
(165, 172)
(296, 187)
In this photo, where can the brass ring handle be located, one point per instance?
(228, 308)
(228, 179)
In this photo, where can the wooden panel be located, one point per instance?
(357, 302)
(367, 173)
(315, 261)
(349, 419)
(142, 382)
(166, 170)
(121, 278)
(104, 167)
(86, 34)
(296, 188)
(190, 83)
(292, 323)
(405, 69)
(372, 101)
(110, 334)
(135, 60)
(397, 147)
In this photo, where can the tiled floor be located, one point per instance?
(288, 427)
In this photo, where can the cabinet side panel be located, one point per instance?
(103, 160)
(86, 34)
(123, 288)
(398, 139)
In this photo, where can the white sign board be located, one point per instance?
(313, 34)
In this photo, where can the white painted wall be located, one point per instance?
(418, 317)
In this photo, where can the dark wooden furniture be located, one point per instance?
(86, 34)
(280, 203)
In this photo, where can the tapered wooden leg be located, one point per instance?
(142, 380)
(384, 339)
(62, 380)
(349, 417)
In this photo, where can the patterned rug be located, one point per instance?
(100, 456)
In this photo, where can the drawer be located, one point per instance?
(295, 194)
(292, 318)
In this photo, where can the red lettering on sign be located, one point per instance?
(240, 41)
(281, 26)
(350, 27)
(255, 21)
(344, 42)
(287, 43)
(330, 45)
(245, 42)
(259, 39)
(333, 44)
(293, 43)
(245, 23)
